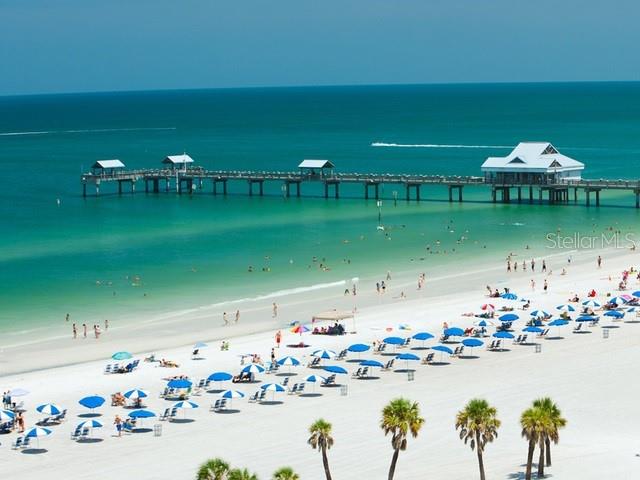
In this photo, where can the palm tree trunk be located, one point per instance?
(541, 460)
(392, 467)
(547, 451)
(480, 459)
(532, 446)
(325, 463)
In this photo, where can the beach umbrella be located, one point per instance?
(614, 314)
(121, 356)
(509, 296)
(141, 414)
(483, 323)
(618, 300)
(454, 332)
(300, 329)
(371, 363)
(394, 341)
(631, 310)
(592, 303)
(539, 314)
(185, 405)
(49, 409)
(89, 424)
(565, 308)
(273, 388)
(18, 392)
(288, 361)
(315, 379)
(230, 394)
(422, 336)
(503, 335)
(135, 394)
(586, 318)
(324, 354)
(335, 369)
(37, 433)
(7, 415)
(509, 317)
(219, 377)
(407, 357)
(91, 402)
(179, 383)
(558, 322)
(358, 348)
(533, 330)
(472, 343)
(200, 345)
(442, 349)
(488, 307)
(253, 368)
(636, 294)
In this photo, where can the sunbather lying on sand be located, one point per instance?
(168, 363)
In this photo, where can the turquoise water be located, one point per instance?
(136, 255)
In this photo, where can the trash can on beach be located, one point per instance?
(157, 430)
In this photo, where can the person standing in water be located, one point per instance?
(275, 310)
(224, 318)
(599, 261)
(237, 316)
(75, 331)
(84, 330)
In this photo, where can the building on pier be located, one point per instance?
(178, 161)
(316, 169)
(537, 163)
(106, 167)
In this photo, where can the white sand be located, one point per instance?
(591, 378)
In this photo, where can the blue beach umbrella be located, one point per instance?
(394, 341)
(358, 348)
(472, 343)
(324, 354)
(533, 330)
(179, 383)
(371, 363)
(407, 357)
(591, 303)
(121, 356)
(614, 314)
(135, 394)
(454, 332)
(185, 405)
(219, 377)
(92, 402)
(49, 409)
(200, 345)
(636, 294)
(90, 424)
(142, 414)
(539, 314)
(483, 323)
(335, 369)
(509, 296)
(618, 300)
(442, 349)
(422, 336)
(558, 322)
(230, 394)
(288, 361)
(565, 308)
(315, 379)
(586, 318)
(503, 335)
(7, 415)
(509, 317)
(273, 387)
(253, 368)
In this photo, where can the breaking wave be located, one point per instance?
(434, 145)
(93, 130)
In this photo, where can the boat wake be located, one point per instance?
(93, 130)
(433, 145)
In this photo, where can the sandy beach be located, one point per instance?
(590, 377)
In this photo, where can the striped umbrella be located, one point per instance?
(539, 314)
(38, 432)
(618, 300)
(253, 368)
(49, 409)
(231, 394)
(6, 415)
(313, 379)
(300, 329)
(288, 361)
(324, 354)
(185, 405)
(89, 424)
(591, 303)
(135, 394)
(565, 308)
(273, 388)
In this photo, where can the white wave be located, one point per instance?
(434, 145)
(93, 130)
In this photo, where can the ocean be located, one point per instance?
(137, 256)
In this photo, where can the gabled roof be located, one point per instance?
(178, 159)
(108, 164)
(316, 164)
(533, 156)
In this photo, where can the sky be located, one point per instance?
(68, 46)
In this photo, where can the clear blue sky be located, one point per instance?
(85, 45)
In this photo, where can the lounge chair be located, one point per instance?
(84, 434)
(254, 398)
(285, 382)
(17, 443)
(342, 355)
(389, 365)
(428, 359)
(406, 342)
(219, 404)
(329, 381)
(357, 373)
(61, 417)
(108, 369)
(76, 433)
(578, 328)
(365, 372)
(380, 348)
(314, 363)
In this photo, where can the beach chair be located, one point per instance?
(407, 342)
(84, 434)
(165, 415)
(314, 363)
(219, 404)
(76, 433)
(595, 322)
(388, 365)
(428, 359)
(492, 345)
(519, 339)
(201, 383)
(262, 396)
(578, 328)
(444, 338)
(254, 398)
(293, 390)
(365, 372)
(380, 348)
(17, 444)
(544, 333)
(329, 381)
(342, 355)
(357, 373)
(458, 351)
(300, 388)
(108, 369)
(285, 382)
(61, 417)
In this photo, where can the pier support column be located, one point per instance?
(326, 190)
(597, 198)
(156, 185)
(119, 187)
(637, 194)
(417, 193)
(133, 186)
(530, 194)
(366, 191)
(261, 185)
(519, 194)
(146, 186)
(575, 195)
(450, 194)
(250, 188)
(336, 186)
(460, 194)
(377, 191)
(587, 196)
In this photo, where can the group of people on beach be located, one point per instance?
(225, 319)
(97, 330)
(524, 265)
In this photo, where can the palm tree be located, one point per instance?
(478, 425)
(533, 422)
(322, 440)
(557, 422)
(285, 473)
(399, 418)
(241, 474)
(213, 469)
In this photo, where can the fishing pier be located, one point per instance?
(179, 174)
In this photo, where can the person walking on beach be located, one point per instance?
(84, 330)
(544, 266)
(75, 331)
(599, 261)
(533, 265)
(118, 423)
(508, 265)
(224, 319)
(546, 286)
(533, 284)
(237, 316)
(273, 356)
(20, 422)
(353, 290)
(278, 338)
(275, 310)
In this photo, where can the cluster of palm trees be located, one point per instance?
(477, 424)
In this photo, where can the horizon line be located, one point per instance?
(311, 86)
